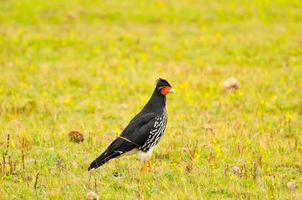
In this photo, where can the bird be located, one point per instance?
(143, 132)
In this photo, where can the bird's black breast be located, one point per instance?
(155, 133)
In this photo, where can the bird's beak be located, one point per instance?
(172, 91)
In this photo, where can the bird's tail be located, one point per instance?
(102, 159)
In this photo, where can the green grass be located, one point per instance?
(92, 66)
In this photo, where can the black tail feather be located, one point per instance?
(103, 158)
(116, 148)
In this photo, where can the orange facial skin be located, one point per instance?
(165, 90)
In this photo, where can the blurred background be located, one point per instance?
(234, 127)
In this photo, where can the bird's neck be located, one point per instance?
(157, 102)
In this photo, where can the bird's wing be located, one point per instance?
(134, 135)
(139, 129)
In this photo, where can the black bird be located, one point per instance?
(144, 130)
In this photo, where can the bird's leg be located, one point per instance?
(149, 165)
(144, 167)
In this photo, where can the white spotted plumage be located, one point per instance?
(154, 135)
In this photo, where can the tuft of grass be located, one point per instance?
(73, 65)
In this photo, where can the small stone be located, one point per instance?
(76, 136)
(236, 170)
(231, 84)
(71, 15)
(92, 196)
(124, 105)
(31, 161)
(291, 185)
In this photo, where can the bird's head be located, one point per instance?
(164, 87)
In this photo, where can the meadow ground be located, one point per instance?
(90, 67)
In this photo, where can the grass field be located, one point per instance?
(90, 67)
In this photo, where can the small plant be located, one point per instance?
(8, 166)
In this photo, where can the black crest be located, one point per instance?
(162, 82)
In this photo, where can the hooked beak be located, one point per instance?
(172, 91)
